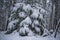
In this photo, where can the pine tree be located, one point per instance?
(27, 19)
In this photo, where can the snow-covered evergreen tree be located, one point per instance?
(27, 19)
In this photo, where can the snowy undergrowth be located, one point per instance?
(15, 36)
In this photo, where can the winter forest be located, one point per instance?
(29, 19)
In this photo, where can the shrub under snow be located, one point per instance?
(30, 16)
(25, 31)
(12, 24)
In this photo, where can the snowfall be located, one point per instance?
(15, 36)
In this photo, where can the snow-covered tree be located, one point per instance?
(27, 19)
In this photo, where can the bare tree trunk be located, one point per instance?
(57, 26)
(57, 16)
(53, 13)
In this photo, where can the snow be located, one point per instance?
(15, 36)
(10, 18)
(47, 1)
(58, 36)
(22, 14)
(37, 29)
(11, 24)
(27, 7)
(25, 29)
(36, 22)
(27, 20)
(46, 32)
(22, 31)
(15, 8)
(42, 10)
(41, 16)
(35, 13)
(17, 5)
(30, 33)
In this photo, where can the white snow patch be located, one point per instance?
(27, 21)
(15, 36)
(22, 14)
(47, 1)
(35, 13)
(27, 7)
(36, 22)
(41, 16)
(25, 29)
(18, 4)
(11, 24)
(37, 29)
(14, 9)
(30, 33)
(46, 32)
(22, 31)
(42, 10)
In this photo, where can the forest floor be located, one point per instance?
(15, 36)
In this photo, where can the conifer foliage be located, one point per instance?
(27, 19)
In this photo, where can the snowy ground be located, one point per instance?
(15, 36)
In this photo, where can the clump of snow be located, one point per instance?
(22, 31)
(40, 16)
(36, 22)
(51, 30)
(27, 7)
(26, 27)
(17, 5)
(25, 30)
(12, 24)
(37, 29)
(22, 14)
(42, 10)
(27, 20)
(47, 1)
(30, 33)
(46, 32)
(35, 13)
(15, 8)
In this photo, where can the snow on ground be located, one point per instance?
(15, 36)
